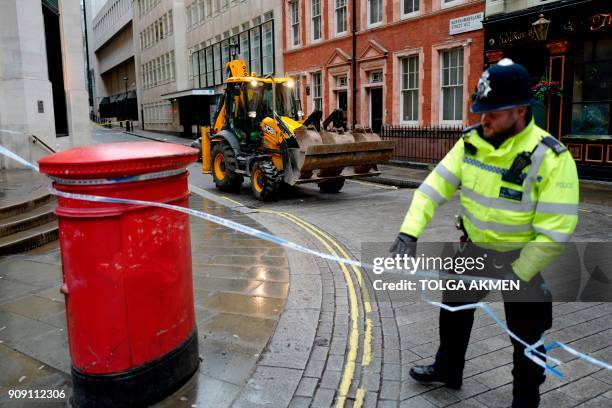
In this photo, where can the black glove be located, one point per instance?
(404, 245)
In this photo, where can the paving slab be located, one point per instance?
(238, 308)
(293, 339)
(17, 186)
(202, 391)
(269, 387)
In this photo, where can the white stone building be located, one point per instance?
(111, 54)
(181, 51)
(43, 92)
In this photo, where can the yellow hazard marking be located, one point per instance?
(344, 254)
(367, 343)
(367, 306)
(364, 290)
(233, 201)
(351, 358)
(103, 124)
(329, 243)
(361, 393)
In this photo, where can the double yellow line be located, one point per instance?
(337, 250)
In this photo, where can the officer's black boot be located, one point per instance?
(528, 376)
(525, 396)
(430, 374)
(455, 328)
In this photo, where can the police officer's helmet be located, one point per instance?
(504, 85)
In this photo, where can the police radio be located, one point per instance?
(515, 173)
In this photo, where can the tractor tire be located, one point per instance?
(266, 180)
(224, 166)
(331, 186)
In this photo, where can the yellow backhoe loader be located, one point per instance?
(260, 132)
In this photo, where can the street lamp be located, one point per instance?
(234, 48)
(540, 27)
(125, 80)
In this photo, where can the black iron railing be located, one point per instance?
(421, 144)
(36, 139)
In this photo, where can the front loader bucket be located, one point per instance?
(320, 156)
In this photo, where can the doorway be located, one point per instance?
(342, 101)
(55, 69)
(376, 109)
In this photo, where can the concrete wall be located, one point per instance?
(96, 5)
(118, 50)
(24, 81)
(75, 84)
(111, 18)
(113, 79)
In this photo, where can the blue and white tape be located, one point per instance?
(115, 180)
(17, 158)
(530, 351)
(209, 217)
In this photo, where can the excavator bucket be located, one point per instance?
(328, 155)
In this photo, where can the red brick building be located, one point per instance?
(418, 61)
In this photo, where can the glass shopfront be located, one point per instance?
(571, 68)
(592, 88)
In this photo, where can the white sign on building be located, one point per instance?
(466, 23)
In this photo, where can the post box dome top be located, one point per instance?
(117, 160)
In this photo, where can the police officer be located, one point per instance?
(519, 188)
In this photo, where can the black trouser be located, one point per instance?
(528, 320)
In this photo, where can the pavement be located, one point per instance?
(240, 286)
(322, 333)
(19, 185)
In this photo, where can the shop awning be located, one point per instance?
(132, 94)
(105, 101)
(189, 92)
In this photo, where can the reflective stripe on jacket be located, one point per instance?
(499, 214)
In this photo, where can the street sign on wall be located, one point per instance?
(466, 23)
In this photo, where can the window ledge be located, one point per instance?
(454, 3)
(410, 15)
(451, 123)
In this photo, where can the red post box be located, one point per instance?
(127, 271)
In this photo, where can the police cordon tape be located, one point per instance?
(530, 351)
(18, 158)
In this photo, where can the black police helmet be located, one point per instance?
(505, 85)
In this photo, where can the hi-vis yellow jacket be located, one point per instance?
(535, 215)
